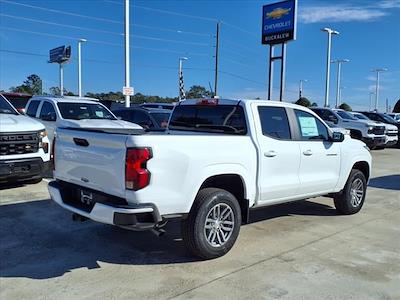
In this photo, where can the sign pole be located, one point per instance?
(271, 71)
(283, 72)
(61, 79)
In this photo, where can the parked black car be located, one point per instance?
(381, 117)
(152, 119)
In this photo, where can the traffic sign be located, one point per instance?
(279, 22)
(128, 91)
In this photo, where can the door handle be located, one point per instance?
(270, 153)
(307, 152)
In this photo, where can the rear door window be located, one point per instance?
(32, 108)
(274, 122)
(47, 113)
(228, 119)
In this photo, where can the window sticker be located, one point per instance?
(99, 114)
(308, 126)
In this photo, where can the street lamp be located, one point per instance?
(339, 65)
(181, 85)
(80, 41)
(328, 62)
(378, 70)
(301, 87)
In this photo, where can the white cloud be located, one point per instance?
(339, 13)
(389, 4)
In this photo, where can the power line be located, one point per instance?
(103, 19)
(241, 77)
(166, 12)
(105, 61)
(104, 31)
(100, 42)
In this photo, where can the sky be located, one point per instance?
(163, 31)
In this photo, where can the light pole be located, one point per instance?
(301, 87)
(127, 55)
(378, 70)
(328, 62)
(80, 41)
(339, 67)
(340, 95)
(181, 85)
(370, 100)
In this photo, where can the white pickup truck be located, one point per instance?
(218, 160)
(24, 147)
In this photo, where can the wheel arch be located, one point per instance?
(233, 183)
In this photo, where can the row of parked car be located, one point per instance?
(23, 136)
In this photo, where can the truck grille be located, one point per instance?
(19, 143)
(391, 133)
(378, 130)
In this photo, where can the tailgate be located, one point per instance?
(91, 159)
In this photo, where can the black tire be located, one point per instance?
(346, 202)
(355, 134)
(194, 228)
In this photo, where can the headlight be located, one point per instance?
(42, 133)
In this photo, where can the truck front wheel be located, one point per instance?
(213, 224)
(351, 199)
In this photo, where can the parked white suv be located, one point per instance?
(391, 131)
(24, 146)
(370, 132)
(219, 159)
(65, 111)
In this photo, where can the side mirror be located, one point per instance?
(337, 137)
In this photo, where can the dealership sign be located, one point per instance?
(279, 22)
(60, 54)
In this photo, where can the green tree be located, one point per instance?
(303, 101)
(55, 90)
(345, 107)
(314, 104)
(32, 85)
(198, 91)
(396, 108)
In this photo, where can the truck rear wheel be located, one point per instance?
(213, 224)
(351, 199)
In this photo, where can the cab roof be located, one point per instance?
(69, 99)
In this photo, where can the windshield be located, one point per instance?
(81, 111)
(6, 108)
(361, 117)
(227, 119)
(387, 118)
(345, 115)
(161, 118)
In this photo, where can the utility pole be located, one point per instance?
(378, 70)
(328, 62)
(216, 61)
(301, 87)
(80, 67)
(127, 54)
(339, 65)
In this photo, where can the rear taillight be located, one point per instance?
(136, 174)
(53, 153)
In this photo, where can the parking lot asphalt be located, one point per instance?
(301, 250)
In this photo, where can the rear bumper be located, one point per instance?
(22, 169)
(140, 217)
